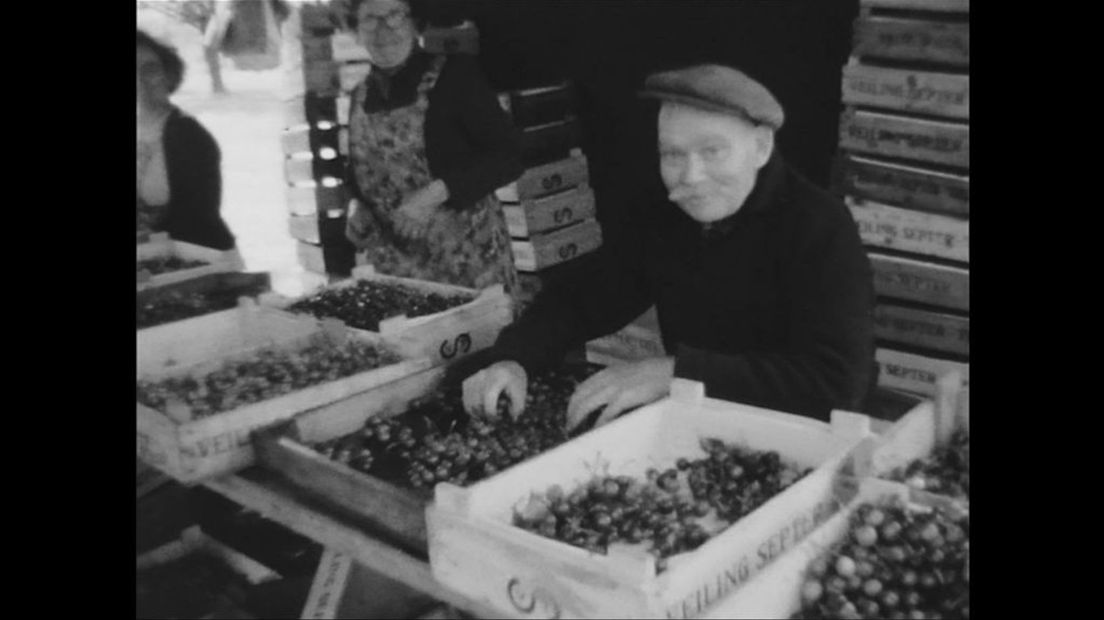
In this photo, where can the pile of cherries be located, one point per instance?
(436, 441)
(667, 510)
(364, 304)
(945, 472)
(895, 563)
(177, 305)
(165, 264)
(264, 375)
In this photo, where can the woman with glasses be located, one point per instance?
(428, 145)
(179, 180)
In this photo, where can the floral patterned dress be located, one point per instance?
(468, 247)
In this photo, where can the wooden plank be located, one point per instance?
(328, 586)
(895, 38)
(937, 142)
(958, 6)
(277, 502)
(543, 251)
(902, 186)
(463, 39)
(915, 373)
(538, 215)
(917, 232)
(547, 179)
(915, 280)
(475, 549)
(923, 328)
(298, 171)
(921, 92)
(312, 198)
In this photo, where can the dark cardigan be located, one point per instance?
(192, 158)
(471, 145)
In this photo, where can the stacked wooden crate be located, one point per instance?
(903, 170)
(550, 209)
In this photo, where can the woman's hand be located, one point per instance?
(481, 390)
(619, 388)
(357, 223)
(417, 210)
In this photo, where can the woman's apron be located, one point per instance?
(467, 248)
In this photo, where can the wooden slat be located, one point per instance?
(923, 328)
(921, 92)
(902, 186)
(913, 40)
(549, 143)
(911, 231)
(547, 179)
(936, 142)
(543, 251)
(535, 216)
(311, 199)
(538, 106)
(915, 373)
(915, 280)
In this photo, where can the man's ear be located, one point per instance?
(764, 145)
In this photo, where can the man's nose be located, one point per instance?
(694, 170)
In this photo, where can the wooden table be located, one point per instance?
(265, 493)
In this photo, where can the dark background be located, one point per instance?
(797, 48)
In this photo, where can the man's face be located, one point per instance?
(709, 161)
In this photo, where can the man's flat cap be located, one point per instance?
(716, 88)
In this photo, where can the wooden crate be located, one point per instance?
(338, 259)
(957, 6)
(922, 430)
(161, 246)
(539, 215)
(539, 106)
(543, 251)
(244, 284)
(475, 549)
(443, 336)
(888, 135)
(397, 512)
(914, 373)
(463, 39)
(905, 90)
(549, 143)
(638, 340)
(902, 186)
(894, 38)
(326, 228)
(916, 232)
(311, 198)
(193, 450)
(938, 331)
(914, 280)
(776, 591)
(547, 179)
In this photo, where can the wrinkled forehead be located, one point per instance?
(679, 123)
(379, 8)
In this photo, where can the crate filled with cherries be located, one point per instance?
(363, 304)
(945, 472)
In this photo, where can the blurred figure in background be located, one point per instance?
(179, 183)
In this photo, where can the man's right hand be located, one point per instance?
(482, 390)
(357, 223)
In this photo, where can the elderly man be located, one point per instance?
(761, 285)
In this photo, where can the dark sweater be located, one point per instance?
(192, 159)
(772, 307)
(471, 145)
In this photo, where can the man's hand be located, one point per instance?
(620, 388)
(418, 208)
(357, 223)
(481, 390)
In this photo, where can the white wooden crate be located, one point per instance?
(905, 230)
(909, 39)
(906, 90)
(920, 431)
(916, 373)
(537, 215)
(559, 246)
(443, 336)
(160, 245)
(916, 280)
(776, 591)
(939, 142)
(475, 549)
(547, 179)
(938, 331)
(191, 451)
(903, 186)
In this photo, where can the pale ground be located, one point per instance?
(247, 123)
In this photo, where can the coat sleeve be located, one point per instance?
(828, 362)
(475, 118)
(196, 187)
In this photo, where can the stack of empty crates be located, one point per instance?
(903, 170)
(550, 209)
(324, 65)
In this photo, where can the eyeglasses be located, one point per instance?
(394, 20)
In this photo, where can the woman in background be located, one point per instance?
(428, 145)
(179, 178)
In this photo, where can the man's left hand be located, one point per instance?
(619, 388)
